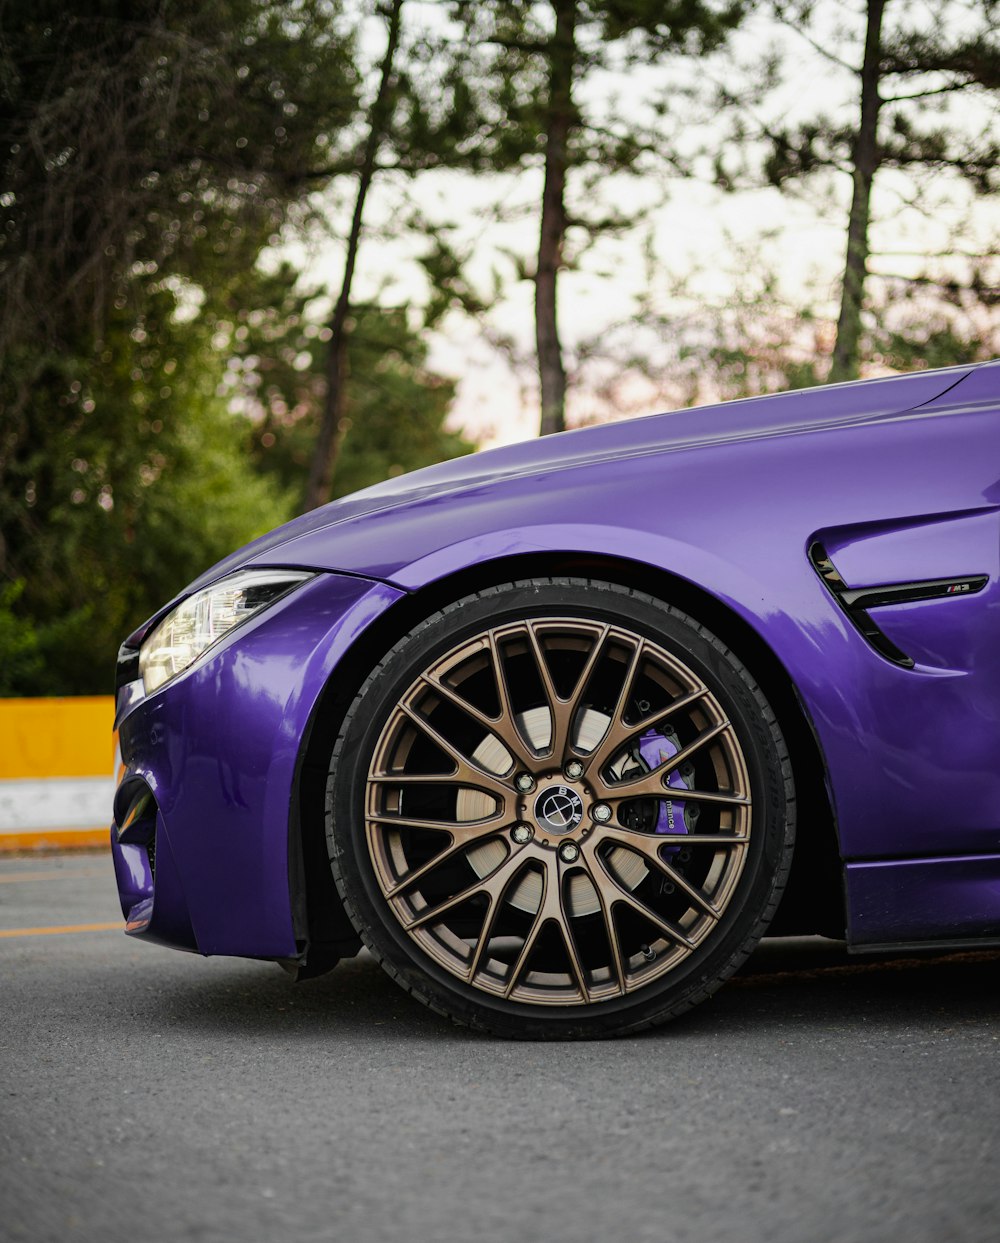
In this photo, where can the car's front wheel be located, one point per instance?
(559, 808)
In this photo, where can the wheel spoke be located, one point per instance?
(622, 895)
(620, 734)
(474, 780)
(483, 940)
(463, 836)
(617, 963)
(461, 761)
(627, 898)
(559, 915)
(492, 884)
(529, 941)
(648, 846)
(551, 910)
(552, 700)
(507, 715)
(567, 715)
(501, 727)
(500, 678)
(562, 712)
(650, 784)
(576, 966)
(677, 794)
(465, 773)
(473, 828)
(627, 836)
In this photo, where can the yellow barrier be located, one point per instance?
(56, 772)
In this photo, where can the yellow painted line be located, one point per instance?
(49, 932)
(56, 839)
(69, 737)
(13, 877)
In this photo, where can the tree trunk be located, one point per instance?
(865, 161)
(551, 372)
(331, 427)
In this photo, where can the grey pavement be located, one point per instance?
(146, 1094)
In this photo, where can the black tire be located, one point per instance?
(756, 879)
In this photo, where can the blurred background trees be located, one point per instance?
(916, 83)
(259, 253)
(526, 67)
(151, 152)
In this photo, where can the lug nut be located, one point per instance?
(574, 770)
(525, 782)
(601, 813)
(522, 833)
(569, 852)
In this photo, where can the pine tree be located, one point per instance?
(914, 82)
(525, 64)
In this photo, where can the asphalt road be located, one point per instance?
(146, 1094)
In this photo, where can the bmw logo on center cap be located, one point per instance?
(558, 809)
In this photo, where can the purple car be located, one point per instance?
(558, 731)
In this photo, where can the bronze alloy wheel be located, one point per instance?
(558, 809)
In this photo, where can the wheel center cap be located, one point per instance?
(559, 809)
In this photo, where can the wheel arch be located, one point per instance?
(813, 900)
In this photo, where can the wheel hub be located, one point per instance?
(558, 809)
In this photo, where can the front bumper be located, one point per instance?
(205, 865)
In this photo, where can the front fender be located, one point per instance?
(219, 748)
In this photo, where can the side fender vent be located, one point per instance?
(856, 601)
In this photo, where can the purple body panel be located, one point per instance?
(219, 748)
(925, 899)
(900, 481)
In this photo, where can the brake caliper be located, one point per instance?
(655, 748)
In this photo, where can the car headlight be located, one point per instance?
(201, 620)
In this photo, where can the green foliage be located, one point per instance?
(151, 150)
(755, 340)
(395, 407)
(145, 136)
(524, 67)
(919, 85)
(139, 469)
(159, 393)
(131, 476)
(21, 661)
(915, 327)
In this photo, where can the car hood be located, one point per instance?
(696, 427)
